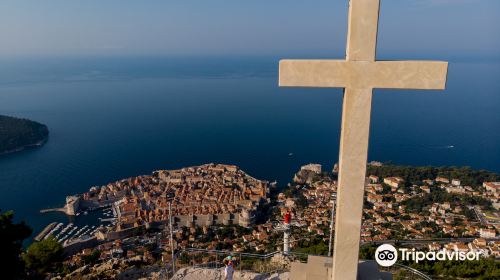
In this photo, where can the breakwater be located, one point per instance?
(45, 231)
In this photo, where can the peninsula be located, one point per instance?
(198, 196)
(19, 134)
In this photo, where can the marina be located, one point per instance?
(82, 226)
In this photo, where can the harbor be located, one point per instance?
(81, 226)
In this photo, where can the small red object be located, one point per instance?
(288, 218)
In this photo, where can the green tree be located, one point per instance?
(367, 251)
(483, 269)
(314, 244)
(467, 175)
(11, 240)
(43, 256)
(301, 201)
(92, 258)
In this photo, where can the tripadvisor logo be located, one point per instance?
(387, 255)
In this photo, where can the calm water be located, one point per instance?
(111, 118)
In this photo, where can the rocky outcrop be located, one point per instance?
(192, 273)
(133, 268)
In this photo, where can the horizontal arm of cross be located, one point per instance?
(363, 74)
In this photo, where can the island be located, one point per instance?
(18, 134)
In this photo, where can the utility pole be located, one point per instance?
(170, 198)
(331, 228)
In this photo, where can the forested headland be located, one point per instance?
(18, 134)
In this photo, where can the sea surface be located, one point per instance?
(115, 117)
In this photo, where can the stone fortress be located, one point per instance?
(203, 196)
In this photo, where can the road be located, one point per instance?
(434, 240)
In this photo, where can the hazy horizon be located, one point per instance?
(128, 28)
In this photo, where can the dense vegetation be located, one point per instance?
(313, 245)
(416, 204)
(39, 258)
(414, 175)
(43, 256)
(17, 134)
(485, 268)
(11, 239)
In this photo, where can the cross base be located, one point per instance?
(320, 268)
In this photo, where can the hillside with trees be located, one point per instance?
(18, 134)
(414, 175)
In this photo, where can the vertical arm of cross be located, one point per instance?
(362, 30)
(361, 46)
(352, 171)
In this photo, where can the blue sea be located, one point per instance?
(116, 117)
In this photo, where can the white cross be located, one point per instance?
(358, 74)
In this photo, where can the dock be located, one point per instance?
(45, 231)
(53, 210)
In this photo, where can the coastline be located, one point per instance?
(26, 147)
(19, 134)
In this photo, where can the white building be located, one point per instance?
(492, 186)
(313, 167)
(487, 233)
(455, 182)
(394, 182)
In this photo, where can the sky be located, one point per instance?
(251, 27)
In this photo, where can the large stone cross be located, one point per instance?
(358, 74)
